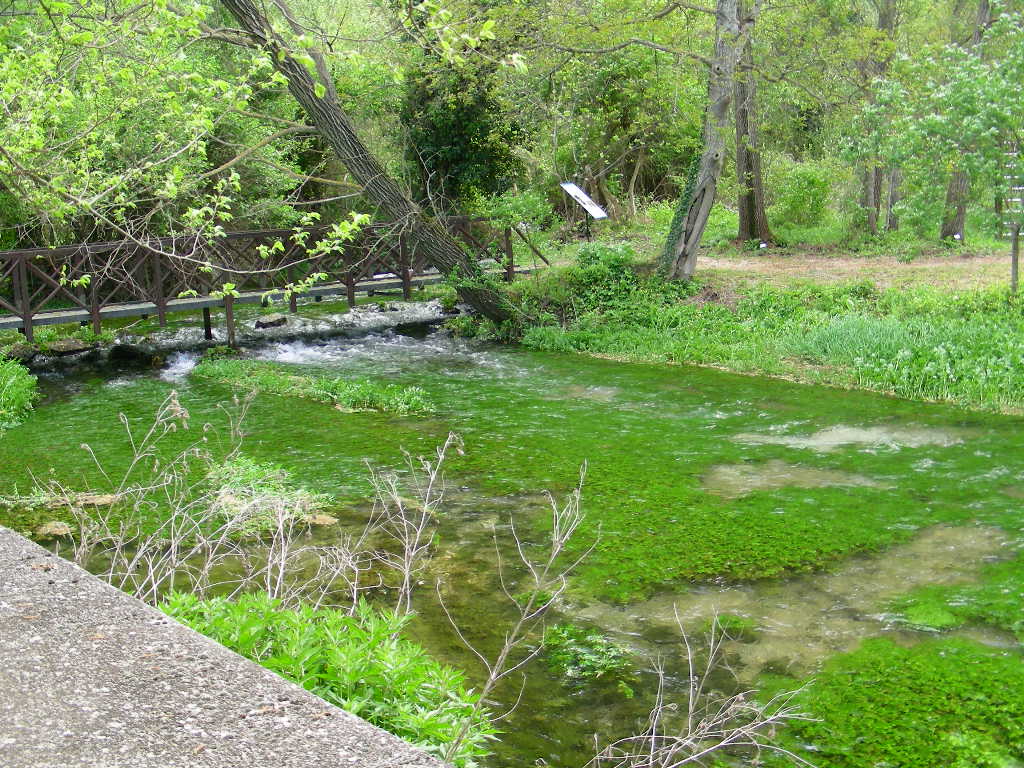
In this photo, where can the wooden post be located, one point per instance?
(21, 283)
(207, 324)
(350, 289)
(293, 306)
(406, 273)
(1014, 257)
(94, 308)
(510, 266)
(158, 289)
(229, 320)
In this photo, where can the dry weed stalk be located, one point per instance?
(546, 579)
(407, 521)
(706, 723)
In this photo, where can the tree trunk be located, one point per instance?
(955, 211)
(871, 198)
(892, 222)
(692, 214)
(318, 97)
(753, 221)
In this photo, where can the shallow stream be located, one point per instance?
(803, 509)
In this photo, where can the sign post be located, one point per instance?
(591, 209)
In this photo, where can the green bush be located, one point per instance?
(802, 192)
(358, 662)
(347, 394)
(17, 392)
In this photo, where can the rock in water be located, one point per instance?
(23, 353)
(271, 321)
(52, 530)
(68, 346)
(320, 520)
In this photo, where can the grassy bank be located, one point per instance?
(346, 394)
(17, 392)
(921, 343)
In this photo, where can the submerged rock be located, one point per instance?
(68, 346)
(276, 320)
(320, 520)
(53, 530)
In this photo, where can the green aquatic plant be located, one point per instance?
(256, 495)
(359, 662)
(581, 654)
(17, 392)
(942, 702)
(997, 600)
(344, 393)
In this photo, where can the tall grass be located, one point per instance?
(17, 392)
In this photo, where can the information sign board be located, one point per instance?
(581, 197)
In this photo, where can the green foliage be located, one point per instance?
(801, 194)
(17, 392)
(529, 207)
(583, 654)
(945, 702)
(462, 138)
(346, 394)
(359, 662)
(738, 628)
(998, 600)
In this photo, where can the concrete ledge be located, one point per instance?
(90, 676)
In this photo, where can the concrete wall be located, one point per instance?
(90, 676)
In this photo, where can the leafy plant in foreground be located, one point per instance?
(358, 661)
(17, 392)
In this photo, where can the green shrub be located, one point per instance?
(947, 702)
(347, 394)
(17, 392)
(358, 662)
(802, 192)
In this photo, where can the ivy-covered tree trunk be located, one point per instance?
(753, 220)
(691, 217)
(318, 97)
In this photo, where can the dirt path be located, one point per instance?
(952, 272)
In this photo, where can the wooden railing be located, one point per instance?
(87, 281)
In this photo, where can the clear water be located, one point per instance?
(803, 509)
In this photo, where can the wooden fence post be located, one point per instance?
(229, 320)
(405, 273)
(94, 308)
(207, 324)
(25, 298)
(510, 266)
(158, 289)
(1014, 258)
(350, 290)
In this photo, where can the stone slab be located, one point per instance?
(91, 677)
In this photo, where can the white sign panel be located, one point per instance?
(581, 197)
